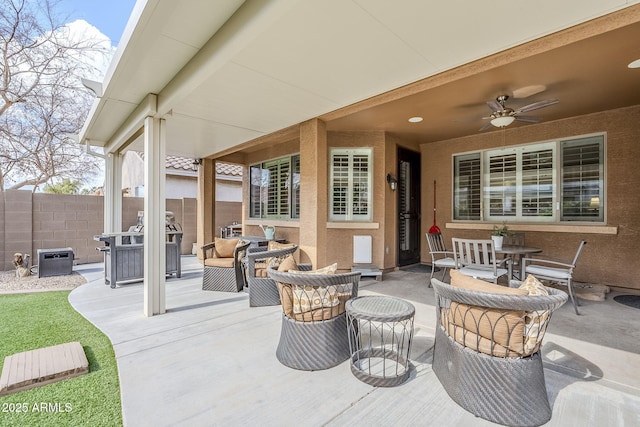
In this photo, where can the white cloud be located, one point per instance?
(99, 58)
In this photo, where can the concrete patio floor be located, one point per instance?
(210, 360)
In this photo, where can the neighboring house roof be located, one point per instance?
(185, 164)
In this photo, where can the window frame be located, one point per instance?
(348, 184)
(558, 208)
(288, 206)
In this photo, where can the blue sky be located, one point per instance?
(109, 16)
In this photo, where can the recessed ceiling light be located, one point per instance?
(634, 64)
(415, 119)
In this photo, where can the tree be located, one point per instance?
(42, 100)
(66, 186)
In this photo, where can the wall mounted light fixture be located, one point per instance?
(196, 164)
(393, 182)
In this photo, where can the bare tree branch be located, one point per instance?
(41, 97)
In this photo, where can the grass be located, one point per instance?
(31, 321)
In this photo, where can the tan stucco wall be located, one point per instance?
(338, 237)
(607, 259)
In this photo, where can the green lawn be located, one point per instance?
(31, 321)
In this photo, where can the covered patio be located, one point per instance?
(210, 360)
(290, 89)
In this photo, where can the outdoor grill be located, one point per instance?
(124, 252)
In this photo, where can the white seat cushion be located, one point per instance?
(480, 273)
(556, 273)
(445, 262)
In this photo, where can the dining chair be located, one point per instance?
(514, 239)
(554, 271)
(477, 258)
(441, 257)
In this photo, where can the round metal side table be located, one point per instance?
(380, 334)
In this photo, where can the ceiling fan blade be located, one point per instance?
(537, 105)
(495, 105)
(485, 127)
(527, 119)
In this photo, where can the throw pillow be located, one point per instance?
(273, 245)
(224, 248)
(534, 286)
(502, 330)
(535, 321)
(329, 269)
(308, 298)
(288, 264)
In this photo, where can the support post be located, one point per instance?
(205, 218)
(113, 193)
(314, 198)
(154, 216)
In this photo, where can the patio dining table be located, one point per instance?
(516, 253)
(260, 240)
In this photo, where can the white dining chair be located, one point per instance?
(441, 257)
(554, 271)
(477, 258)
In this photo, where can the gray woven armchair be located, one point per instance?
(486, 352)
(263, 290)
(222, 265)
(314, 325)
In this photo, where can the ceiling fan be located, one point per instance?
(503, 116)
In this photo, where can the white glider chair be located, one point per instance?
(554, 271)
(441, 257)
(477, 258)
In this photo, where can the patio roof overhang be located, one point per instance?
(227, 72)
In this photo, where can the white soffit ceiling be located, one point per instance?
(308, 58)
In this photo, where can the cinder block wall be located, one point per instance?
(61, 221)
(31, 221)
(16, 226)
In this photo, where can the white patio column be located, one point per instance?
(113, 193)
(154, 216)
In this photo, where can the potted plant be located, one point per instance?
(497, 235)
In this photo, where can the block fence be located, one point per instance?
(31, 221)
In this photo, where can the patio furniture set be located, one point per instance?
(488, 336)
(479, 258)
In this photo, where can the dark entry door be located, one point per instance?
(408, 207)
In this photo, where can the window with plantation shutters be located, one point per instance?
(295, 187)
(466, 190)
(277, 189)
(502, 185)
(582, 180)
(274, 189)
(520, 183)
(537, 183)
(555, 181)
(350, 184)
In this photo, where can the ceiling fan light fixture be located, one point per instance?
(634, 64)
(502, 121)
(415, 119)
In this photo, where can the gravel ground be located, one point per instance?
(9, 283)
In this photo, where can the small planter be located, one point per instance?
(497, 242)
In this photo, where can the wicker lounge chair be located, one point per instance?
(486, 352)
(314, 326)
(263, 290)
(222, 265)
